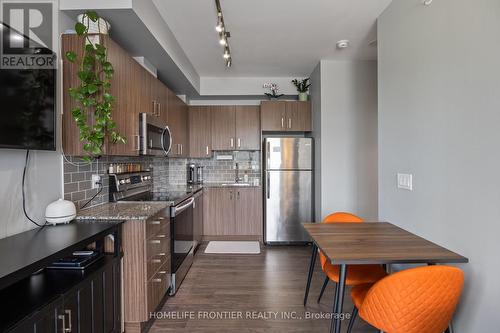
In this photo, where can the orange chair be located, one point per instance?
(356, 274)
(417, 300)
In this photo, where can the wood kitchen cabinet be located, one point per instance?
(223, 127)
(247, 127)
(200, 132)
(286, 116)
(235, 128)
(178, 124)
(232, 212)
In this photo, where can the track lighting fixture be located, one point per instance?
(223, 34)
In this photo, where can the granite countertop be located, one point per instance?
(122, 211)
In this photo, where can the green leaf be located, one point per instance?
(92, 15)
(91, 89)
(80, 28)
(71, 56)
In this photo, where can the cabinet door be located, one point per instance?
(247, 127)
(248, 211)
(223, 127)
(125, 89)
(178, 123)
(273, 115)
(200, 132)
(298, 116)
(218, 217)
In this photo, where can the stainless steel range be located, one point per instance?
(138, 186)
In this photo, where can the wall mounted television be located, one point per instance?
(27, 96)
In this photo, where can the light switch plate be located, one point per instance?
(405, 181)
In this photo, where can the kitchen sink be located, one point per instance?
(236, 184)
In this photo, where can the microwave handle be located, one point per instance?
(166, 150)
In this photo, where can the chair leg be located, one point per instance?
(354, 314)
(323, 288)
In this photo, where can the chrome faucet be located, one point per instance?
(238, 178)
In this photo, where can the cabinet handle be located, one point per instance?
(178, 149)
(289, 122)
(157, 280)
(230, 195)
(162, 254)
(182, 148)
(155, 241)
(282, 122)
(207, 150)
(63, 319)
(232, 142)
(161, 236)
(155, 222)
(68, 312)
(239, 142)
(138, 146)
(238, 195)
(162, 272)
(159, 109)
(156, 261)
(154, 107)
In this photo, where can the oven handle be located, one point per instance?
(165, 130)
(179, 209)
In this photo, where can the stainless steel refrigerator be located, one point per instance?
(288, 182)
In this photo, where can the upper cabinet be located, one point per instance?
(286, 116)
(235, 127)
(126, 85)
(135, 91)
(200, 132)
(178, 124)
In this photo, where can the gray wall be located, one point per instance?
(439, 119)
(43, 178)
(315, 96)
(347, 122)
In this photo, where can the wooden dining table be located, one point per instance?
(366, 243)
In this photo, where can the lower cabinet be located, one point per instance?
(232, 212)
(93, 305)
(146, 268)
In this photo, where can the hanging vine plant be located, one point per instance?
(93, 94)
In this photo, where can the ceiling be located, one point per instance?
(280, 38)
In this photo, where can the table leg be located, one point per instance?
(339, 302)
(311, 270)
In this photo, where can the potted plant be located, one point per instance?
(274, 88)
(93, 94)
(302, 88)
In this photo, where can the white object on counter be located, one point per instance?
(256, 182)
(60, 211)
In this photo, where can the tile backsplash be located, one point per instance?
(166, 172)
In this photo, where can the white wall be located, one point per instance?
(347, 127)
(439, 119)
(43, 178)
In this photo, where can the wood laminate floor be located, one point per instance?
(251, 293)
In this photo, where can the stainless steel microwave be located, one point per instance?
(156, 138)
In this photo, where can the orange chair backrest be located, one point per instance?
(418, 300)
(339, 217)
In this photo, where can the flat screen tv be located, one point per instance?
(27, 97)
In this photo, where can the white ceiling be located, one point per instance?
(280, 38)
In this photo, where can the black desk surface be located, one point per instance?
(27, 252)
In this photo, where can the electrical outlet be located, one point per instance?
(96, 181)
(405, 181)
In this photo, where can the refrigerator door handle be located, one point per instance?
(268, 190)
(268, 155)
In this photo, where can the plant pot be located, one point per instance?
(303, 96)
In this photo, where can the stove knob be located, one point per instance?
(127, 181)
(122, 181)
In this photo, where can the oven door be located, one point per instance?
(156, 138)
(181, 224)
